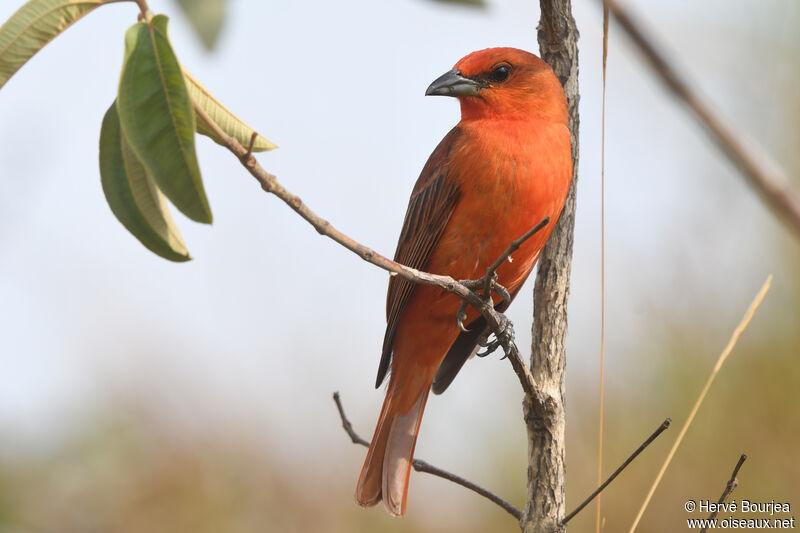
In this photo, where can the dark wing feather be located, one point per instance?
(459, 352)
(432, 202)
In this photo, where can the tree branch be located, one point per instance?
(424, 466)
(348, 427)
(752, 160)
(729, 487)
(544, 508)
(664, 425)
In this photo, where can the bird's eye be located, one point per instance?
(500, 73)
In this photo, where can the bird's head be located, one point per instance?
(504, 83)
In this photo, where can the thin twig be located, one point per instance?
(143, 7)
(491, 272)
(664, 425)
(348, 427)
(729, 487)
(748, 316)
(752, 159)
(514, 246)
(601, 399)
(494, 319)
(424, 466)
(253, 138)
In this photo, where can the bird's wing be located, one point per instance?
(432, 202)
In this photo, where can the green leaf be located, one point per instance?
(206, 17)
(157, 116)
(133, 196)
(227, 121)
(34, 25)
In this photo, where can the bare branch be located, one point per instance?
(729, 487)
(424, 466)
(514, 246)
(664, 425)
(753, 161)
(348, 427)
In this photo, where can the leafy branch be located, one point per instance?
(147, 148)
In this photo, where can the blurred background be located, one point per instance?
(141, 395)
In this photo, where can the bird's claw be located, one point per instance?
(502, 291)
(503, 339)
(490, 346)
(461, 316)
(489, 284)
(492, 285)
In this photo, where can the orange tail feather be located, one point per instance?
(387, 468)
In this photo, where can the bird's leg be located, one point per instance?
(489, 284)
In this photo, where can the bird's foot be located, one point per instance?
(504, 338)
(487, 284)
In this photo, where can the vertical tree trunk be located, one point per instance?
(544, 508)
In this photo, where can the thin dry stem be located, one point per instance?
(424, 466)
(514, 246)
(729, 488)
(664, 425)
(748, 316)
(601, 400)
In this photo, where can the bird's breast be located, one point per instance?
(511, 175)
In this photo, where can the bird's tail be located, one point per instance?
(387, 467)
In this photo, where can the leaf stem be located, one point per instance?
(144, 8)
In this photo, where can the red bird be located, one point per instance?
(506, 166)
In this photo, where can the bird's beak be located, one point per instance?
(452, 83)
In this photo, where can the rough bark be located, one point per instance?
(544, 509)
